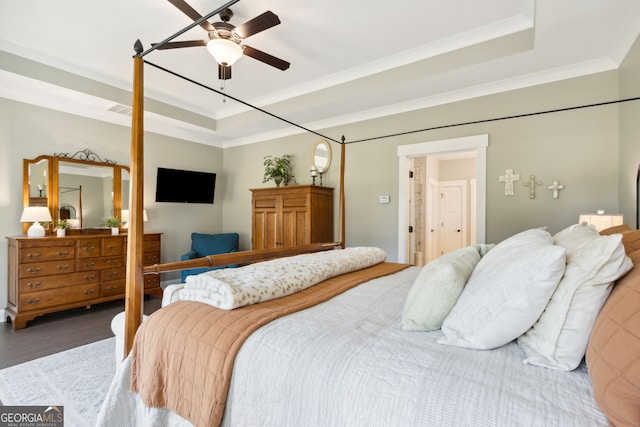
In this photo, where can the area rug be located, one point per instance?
(77, 379)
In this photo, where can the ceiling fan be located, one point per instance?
(225, 39)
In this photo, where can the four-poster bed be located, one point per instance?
(134, 275)
(330, 354)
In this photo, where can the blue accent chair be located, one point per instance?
(209, 244)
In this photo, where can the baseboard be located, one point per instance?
(4, 317)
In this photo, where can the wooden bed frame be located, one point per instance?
(134, 296)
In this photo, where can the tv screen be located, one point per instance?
(181, 186)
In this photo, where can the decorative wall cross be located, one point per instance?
(508, 179)
(532, 184)
(556, 187)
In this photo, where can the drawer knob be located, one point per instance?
(63, 253)
(33, 285)
(63, 267)
(33, 301)
(33, 270)
(112, 262)
(112, 288)
(90, 277)
(89, 264)
(89, 291)
(110, 247)
(36, 255)
(89, 248)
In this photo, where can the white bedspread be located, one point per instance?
(347, 362)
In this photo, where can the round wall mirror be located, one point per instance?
(322, 156)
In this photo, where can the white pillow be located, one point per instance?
(506, 292)
(437, 288)
(559, 338)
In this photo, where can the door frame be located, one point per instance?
(479, 143)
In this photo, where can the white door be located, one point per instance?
(453, 216)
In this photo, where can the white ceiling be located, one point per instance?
(350, 60)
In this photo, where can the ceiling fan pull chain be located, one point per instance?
(222, 86)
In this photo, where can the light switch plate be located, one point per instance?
(383, 199)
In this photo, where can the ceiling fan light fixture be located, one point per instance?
(224, 51)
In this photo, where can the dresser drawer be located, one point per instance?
(34, 284)
(116, 287)
(51, 253)
(47, 268)
(265, 203)
(53, 297)
(113, 274)
(151, 281)
(151, 244)
(150, 258)
(89, 248)
(112, 246)
(294, 202)
(99, 263)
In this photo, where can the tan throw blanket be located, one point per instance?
(183, 355)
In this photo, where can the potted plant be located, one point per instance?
(113, 222)
(277, 169)
(61, 227)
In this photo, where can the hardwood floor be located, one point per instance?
(61, 331)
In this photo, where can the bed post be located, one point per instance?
(341, 231)
(134, 275)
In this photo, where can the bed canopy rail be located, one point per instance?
(242, 257)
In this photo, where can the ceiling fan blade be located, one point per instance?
(176, 45)
(265, 57)
(191, 13)
(257, 24)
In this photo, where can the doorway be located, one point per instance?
(424, 240)
(439, 201)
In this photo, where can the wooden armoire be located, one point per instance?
(291, 216)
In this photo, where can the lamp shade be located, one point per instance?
(36, 214)
(224, 51)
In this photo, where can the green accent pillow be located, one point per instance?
(438, 286)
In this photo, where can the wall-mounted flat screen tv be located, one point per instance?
(182, 186)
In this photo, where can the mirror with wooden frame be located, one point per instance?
(81, 188)
(321, 156)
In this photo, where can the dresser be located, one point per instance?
(51, 274)
(291, 216)
(601, 221)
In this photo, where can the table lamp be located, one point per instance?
(36, 214)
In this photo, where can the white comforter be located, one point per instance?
(347, 362)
